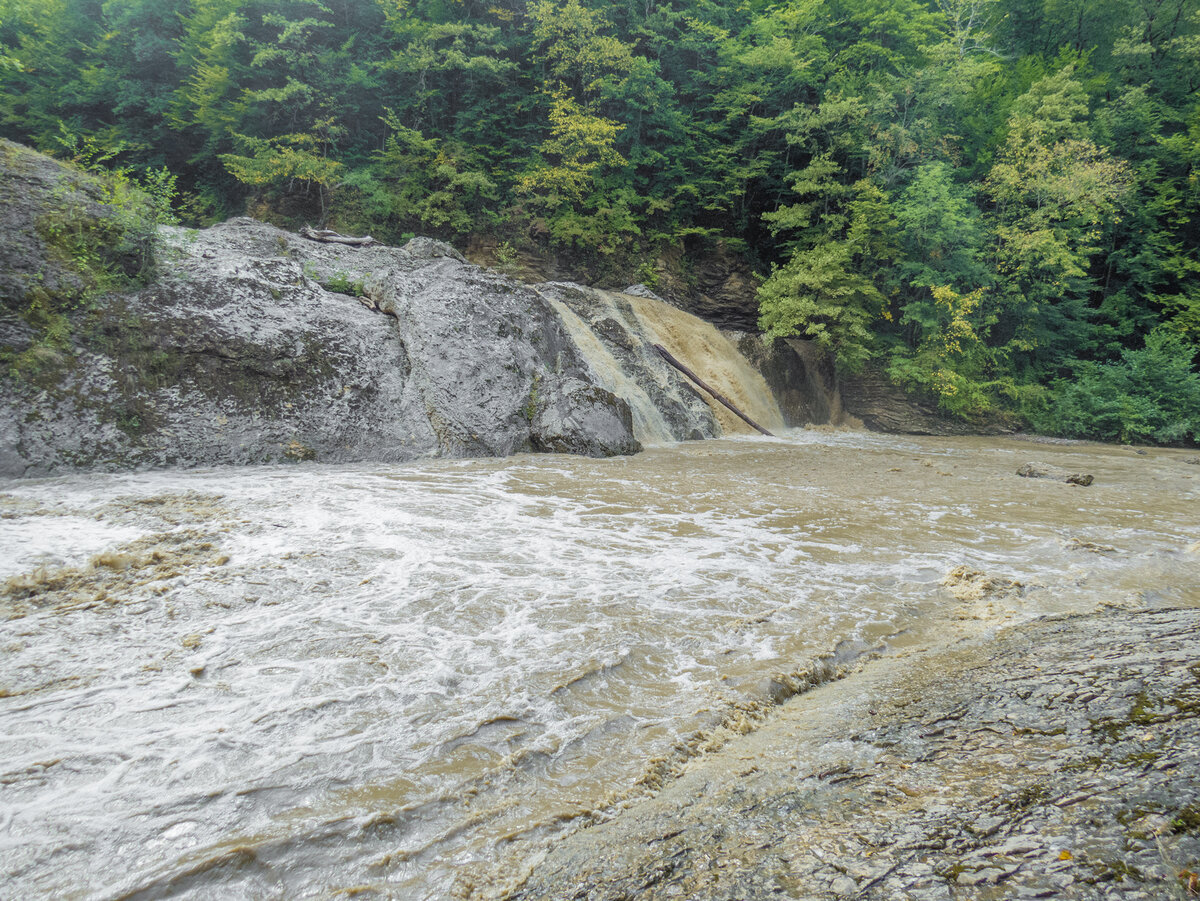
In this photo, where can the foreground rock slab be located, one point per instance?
(1059, 760)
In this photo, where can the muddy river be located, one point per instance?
(311, 680)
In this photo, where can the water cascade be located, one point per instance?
(616, 334)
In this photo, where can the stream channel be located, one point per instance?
(304, 681)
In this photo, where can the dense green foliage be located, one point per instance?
(97, 227)
(996, 200)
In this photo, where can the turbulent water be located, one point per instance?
(298, 681)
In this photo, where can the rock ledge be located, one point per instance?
(1061, 759)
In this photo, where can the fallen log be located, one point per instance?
(717, 395)
(325, 236)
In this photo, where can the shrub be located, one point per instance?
(1150, 395)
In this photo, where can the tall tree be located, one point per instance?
(1055, 193)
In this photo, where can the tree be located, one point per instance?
(826, 291)
(425, 184)
(212, 57)
(953, 361)
(579, 145)
(1149, 394)
(943, 243)
(48, 47)
(818, 295)
(942, 233)
(288, 161)
(1055, 194)
(574, 52)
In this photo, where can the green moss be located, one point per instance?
(298, 452)
(1187, 820)
(952, 872)
(99, 236)
(1132, 815)
(1112, 871)
(531, 405)
(130, 423)
(1144, 758)
(341, 283)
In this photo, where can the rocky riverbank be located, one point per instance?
(1058, 759)
(126, 345)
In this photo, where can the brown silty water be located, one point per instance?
(401, 676)
(294, 682)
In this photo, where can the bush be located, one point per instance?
(1149, 395)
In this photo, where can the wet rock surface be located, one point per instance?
(1058, 760)
(872, 398)
(802, 377)
(720, 287)
(1054, 473)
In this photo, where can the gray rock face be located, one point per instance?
(494, 364)
(254, 345)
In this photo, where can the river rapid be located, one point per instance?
(304, 681)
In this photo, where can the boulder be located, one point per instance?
(579, 418)
(640, 290)
(1046, 471)
(249, 344)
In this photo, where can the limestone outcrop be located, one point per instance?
(1056, 760)
(248, 344)
(253, 345)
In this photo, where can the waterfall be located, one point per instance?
(616, 332)
(712, 356)
(649, 424)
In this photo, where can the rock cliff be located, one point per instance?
(253, 345)
(248, 344)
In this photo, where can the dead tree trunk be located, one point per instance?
(325, 236)
(717, 395)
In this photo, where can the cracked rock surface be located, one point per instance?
(1060, 759)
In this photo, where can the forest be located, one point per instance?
(996, 202)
